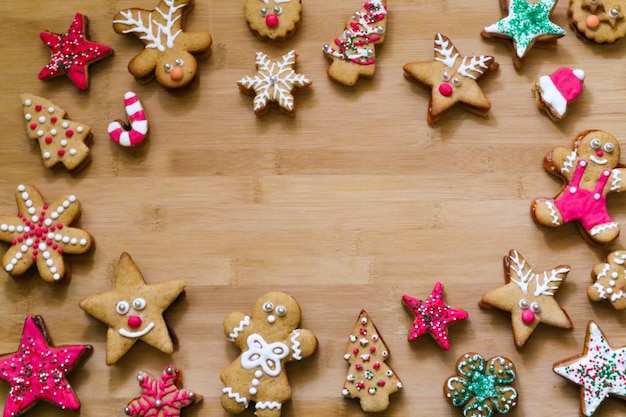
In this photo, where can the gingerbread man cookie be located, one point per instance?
(600, 21)
(169, 50)
(273, 19)
(268, 339)
(610, 280)
(591, 169)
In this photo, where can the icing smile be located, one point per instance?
(140, 333)
(598, 161)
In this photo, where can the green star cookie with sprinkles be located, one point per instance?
(432, 316)
(72, 53)
(525, 24)
(600, 370)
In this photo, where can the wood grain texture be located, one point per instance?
(349, 204)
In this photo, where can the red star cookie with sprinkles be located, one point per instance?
(72, 53)
(600, 370)
(161, 397)
(432, 316)
(37, 371)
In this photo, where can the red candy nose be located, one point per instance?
(271, 20)
(445, 90)
(528, 316)
(599, 153)
(134, 321)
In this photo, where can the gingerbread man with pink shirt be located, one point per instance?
(591, 170)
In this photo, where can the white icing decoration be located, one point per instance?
(295, 345)
(134, 335)
(237, 330)
(233, 395)
(264, 355)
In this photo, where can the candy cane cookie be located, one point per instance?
(137, 131)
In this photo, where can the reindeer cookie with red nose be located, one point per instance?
(133, 310)
(169, 51)
(599, 21)
(268, 339)
(273, 19)
(452, 78)
(591, 170)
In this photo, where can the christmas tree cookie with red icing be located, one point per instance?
(554, 92)
(38, 371)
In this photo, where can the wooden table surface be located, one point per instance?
(348, 205)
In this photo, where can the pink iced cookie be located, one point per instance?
(554, 92)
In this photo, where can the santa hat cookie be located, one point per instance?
(554, 92)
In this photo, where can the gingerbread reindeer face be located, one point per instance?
(273, 19)
(600, 21)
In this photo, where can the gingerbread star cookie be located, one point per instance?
(452, 78)
(432, 316)
(528, 296)
(274, 83)
(600, 370)
(38, 371)
(526, 22)
(72, 53)
(599, 21)
(133, 310)
(610, 280)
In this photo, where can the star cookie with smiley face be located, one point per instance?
(599, 21)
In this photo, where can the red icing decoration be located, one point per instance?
(271, 20)
(69, 133)
(48, 139)
(445, 90)
(568, 85)
(38, 107)
(134, 321)
(528, 316)
(61, 152)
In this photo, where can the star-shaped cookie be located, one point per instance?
(37, 371)
(133, 310)
(72, 53)
(600, 370)
(528, 296)
(526, 23)
(452, 78)
(432, 316)
(274, 83)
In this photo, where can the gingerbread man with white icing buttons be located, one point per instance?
(268, 338)
(591, 170)
(273, 19)
(610, 280)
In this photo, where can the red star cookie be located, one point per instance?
(36, 372)
(72, 53)
(432, 316)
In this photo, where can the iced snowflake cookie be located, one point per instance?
(452, 78)
(163, 396)
(600, 21)
(369, 378)
(38, 371)
(354, 54)
(169, 50)
(273, 19)
(432, 316)
(274, 83)
(41, 235)
(529, 297)
(610, 280)
(554, 92)
(591, 170)
(268, 339)
(600, 370)
(72, 53)
(526, 23)
(482, 387)
(133, 310)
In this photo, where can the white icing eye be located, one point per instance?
(263, 11)
(456, 81)
(609, 147)
(167, 67)
(593, 1)
(524, 304)
(595, 143)
(122, 307)
(614, 13)
(278, 10)
(445, 76)
(268, 307)
(535, 307)
(139, 303)
(178, 62)
(281, 311)
(389, 372)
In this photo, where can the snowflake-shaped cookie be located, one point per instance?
(274, 82)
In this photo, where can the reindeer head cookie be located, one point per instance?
(169, 51)
(273, 19)
(610, 280)
(600, 21)
(268, 338)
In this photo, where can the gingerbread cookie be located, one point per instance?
(482, 387)
(163, 396)
(61, 141)
(452, 78)
(72, 53)
(41, 235)
(274, 83)
(525, 23)
(528, 296)
(133, 310)
(554, 92)
(273, 19)
(432, 316)
(38, 371)
(600, 370)
(268, 339)
(354, 54)
(610, 280)
(599, 21)
(135, 133)
(369, 378)
(169, 50)
(591, 170)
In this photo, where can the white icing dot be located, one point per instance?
(258, 373)
(614, 274)
(19, 228)
(66, 239)
(9, 268)
(32, 210)
(40, 132)
(24, 248)
(60, 210)
(597, 196)
(11, 228)
(29, 242)
(572, 190)
(609, 290)
(28, 116)
(65, 125)
(46, 155)
(35, 219)
(18, 255)
(53, 132)
(27, 102)
(255, 382)
(42, 119)
(50, 109)
(72, 198)
(14, 261)
(64, 143)
(42, 247)
(46, 255)
(73, 241)
(29, 203)
(25, 195)
(53, 269)
(79, 129)
(73, 151)
(48, 222)
(83, 242)
(50, 262)
(252, 391)
(56, 277)
(66, 203)
(612, 283)
(4, 227)
(58, 237)
(21, 187)
(54, 215)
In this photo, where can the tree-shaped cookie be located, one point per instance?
(591, 169)
(610, 280)
(60, 140)
(369, 378)
(268, 339)
(169, 50)
(353, 54)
